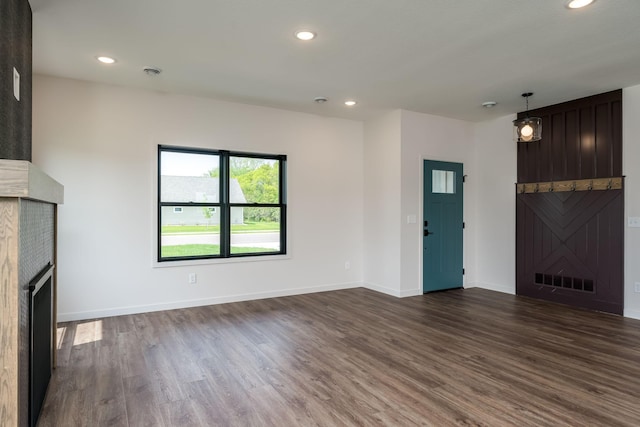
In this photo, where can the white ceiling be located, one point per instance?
(441, 57)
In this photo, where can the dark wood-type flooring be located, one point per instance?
(353, 357)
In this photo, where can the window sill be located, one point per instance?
(213, 261)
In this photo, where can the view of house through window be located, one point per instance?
(219, 204)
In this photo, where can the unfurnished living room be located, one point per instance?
(319, 213)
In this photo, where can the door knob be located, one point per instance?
(427, 232)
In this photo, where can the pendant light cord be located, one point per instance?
(526, 99)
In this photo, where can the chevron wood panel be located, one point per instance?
(570, 249)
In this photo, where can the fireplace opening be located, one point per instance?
(40, 348)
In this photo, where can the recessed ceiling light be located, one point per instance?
(305, 35)
(489, 104)
(106, 59)
(577, 4)
(350, 103)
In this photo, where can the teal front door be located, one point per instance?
(442, 226)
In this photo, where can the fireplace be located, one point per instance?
(40, 348)
(28, 234)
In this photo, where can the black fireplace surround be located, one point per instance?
(40, 349)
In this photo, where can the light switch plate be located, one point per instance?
(16, 84)
(633, 221)
(411, 219)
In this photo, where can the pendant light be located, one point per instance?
(527, 129)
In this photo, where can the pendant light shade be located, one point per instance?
(527, 129)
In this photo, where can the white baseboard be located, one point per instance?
(411, 293)
(393, 292)
(492, 287)
(119, 311)
(382, 289)
(136, 309)
(632, 314)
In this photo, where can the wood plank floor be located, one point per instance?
(354, 357)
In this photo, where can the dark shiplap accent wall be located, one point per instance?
(577, 235)
(581, 139)
(15, 51)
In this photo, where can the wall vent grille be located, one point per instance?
(565, 282)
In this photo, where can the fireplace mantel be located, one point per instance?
(22, 179)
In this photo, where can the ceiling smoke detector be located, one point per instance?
(320, 99)
(152, 71)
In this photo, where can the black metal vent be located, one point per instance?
(565, 282)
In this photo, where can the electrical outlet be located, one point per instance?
(633, 221)
(347, 265)
(637, 287)
(193, 278)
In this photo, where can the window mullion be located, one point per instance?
(282, 184)
(159, 206)
(190, 204)
(225, 209)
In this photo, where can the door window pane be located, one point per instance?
(255, 230)
(443, 182)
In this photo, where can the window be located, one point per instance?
(443, 182)
(220, 204)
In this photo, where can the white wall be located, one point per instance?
(495, 216)
(631, 170)
(433, 138)
(382, 204)
(351, 188)
(100, 142)
(395, 146)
